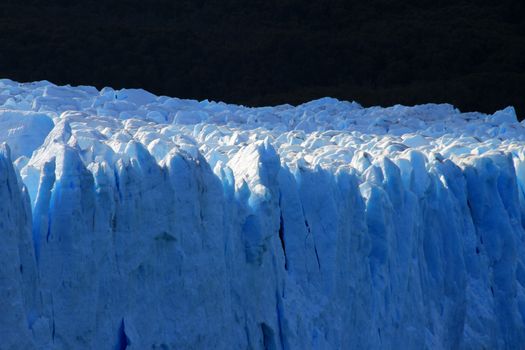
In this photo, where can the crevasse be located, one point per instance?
(135, 221)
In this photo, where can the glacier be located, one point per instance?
(135, 221)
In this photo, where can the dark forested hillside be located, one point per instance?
(469, 53)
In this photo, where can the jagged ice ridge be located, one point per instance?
(129, 220)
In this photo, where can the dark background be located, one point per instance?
(259, 52)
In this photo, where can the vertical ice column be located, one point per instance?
(66, 259)
(494, 202)
(260, 256)
(19, 307)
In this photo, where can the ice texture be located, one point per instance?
(135, 221)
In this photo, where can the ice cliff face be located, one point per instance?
(135, 221)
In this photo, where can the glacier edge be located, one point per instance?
(222, 239)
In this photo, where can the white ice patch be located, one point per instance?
(24, 131)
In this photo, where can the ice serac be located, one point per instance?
(18, 276)
(24, 130)
(131, 221)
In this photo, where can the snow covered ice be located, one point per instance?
(130, 220)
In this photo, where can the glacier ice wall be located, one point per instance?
(135, 221)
